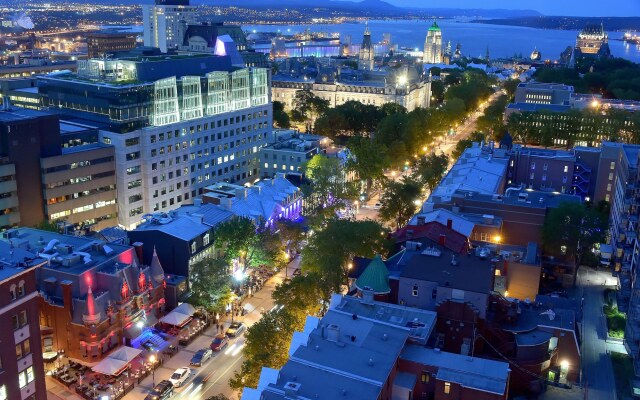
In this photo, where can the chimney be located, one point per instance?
(450, 223)
(67, 297)
(137, 247)
(333, 333)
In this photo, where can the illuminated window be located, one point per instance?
(424, 378)
(447, 387)
(414, 291)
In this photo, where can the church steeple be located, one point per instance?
(366, 56)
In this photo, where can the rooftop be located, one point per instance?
(14, 261)
(478, 169)
(521, 197)
(420, 323)
(473, 372)
(71, 254)
(531, 316)
(15, 114)
(449, 269)
(186, 222)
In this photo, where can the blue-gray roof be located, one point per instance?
(472, 372)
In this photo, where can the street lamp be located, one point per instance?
(152, 360)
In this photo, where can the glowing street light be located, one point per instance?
(152, 360)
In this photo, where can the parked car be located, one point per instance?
(219, 342)
(235, 329)
(201, 356)
(162, 391)
(180, 376)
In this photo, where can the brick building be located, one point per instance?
(21, 358)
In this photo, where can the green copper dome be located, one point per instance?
(375, 277)
(434, 27)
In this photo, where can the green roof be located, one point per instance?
(434, 27)
(375, 277)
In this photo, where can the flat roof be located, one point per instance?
(529, 198)
(470, 272)
(14, 261)
(538, 107)
(532, 316)
(20, 114)
(473, 372)
(419, 322)
(46, 244)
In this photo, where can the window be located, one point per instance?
(13, 292)
(205, 239)
(25, 377)
(22, 317)
(132, 142)
(611, 176)
(447, 387)
(26, 347)
(544, 177)
(484, 236)
(3, 392)
(612, 165)
(608, 187)
(193, 248)
(414, 291)
(566, 168)
(18, 351)
(533, 165)
(424, 378)
(545, 166)
(14, 322)
(607, 197)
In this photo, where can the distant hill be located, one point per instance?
(570, 23)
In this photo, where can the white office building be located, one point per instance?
(165, 23)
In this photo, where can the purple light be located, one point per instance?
(219, 49)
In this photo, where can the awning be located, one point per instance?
(185, 308)
(176, 319)
(117, 361)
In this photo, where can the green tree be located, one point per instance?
(219, 396)
(510, 86)
(280, 117)
(461, 146)
(399, 201)
(369, 160)
(291, 233)
(327, 187)
(437, 91)
(430, 169)
(266, 345)
(572, 229)
(309, 105)
(330, 250)
(210, 282)
(301, 296)
(46, 225)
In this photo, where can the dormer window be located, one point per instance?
(21, 290)
(13, 292)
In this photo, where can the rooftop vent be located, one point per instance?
(431, 251)
(370, 362)
(333, 333)
(291, 389)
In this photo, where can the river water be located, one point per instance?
(502, 40)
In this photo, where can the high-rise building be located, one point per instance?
(165, 23)
(52, 171)
(178, 123)
(367, 54)
(433, 45)
(21, 357)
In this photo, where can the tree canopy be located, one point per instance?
(571, 229)
(330, 250)
(399, 201)
(430, 169)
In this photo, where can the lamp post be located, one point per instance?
(497, 240)
(152, 360)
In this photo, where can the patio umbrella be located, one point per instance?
(117, 361)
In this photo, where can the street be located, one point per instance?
(596, 364)
(368, 210)
(213, 378)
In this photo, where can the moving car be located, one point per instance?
(180, 376)
(201, 356)
(219, 342)
(235, 329)
(162, 391)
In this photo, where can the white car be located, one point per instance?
(180, 376)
